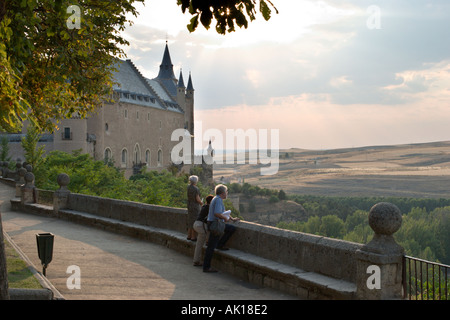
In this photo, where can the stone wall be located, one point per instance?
(306, 265)
(330, 257)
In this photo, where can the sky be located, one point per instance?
(324, 74)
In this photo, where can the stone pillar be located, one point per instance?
(61, 196)
(20, 182)
(28, 190)
(16, 173)
(5, 169)
(379, 263)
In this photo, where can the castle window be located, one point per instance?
(106, 127)
(159, 158)
(137, 114)
(124, 157)
(137, 154)
(108, 155)
(125, 112)
(66, 134)
(147, 157)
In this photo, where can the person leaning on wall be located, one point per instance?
(216, 210)
(194, 203)
(201, 228)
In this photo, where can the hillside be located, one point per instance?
(412, 170)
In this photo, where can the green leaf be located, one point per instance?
(193, 24)
(265, 10)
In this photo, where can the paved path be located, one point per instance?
(113, 266)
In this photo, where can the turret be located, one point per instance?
(190, 88)
(181, 92)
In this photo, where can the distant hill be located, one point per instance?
(419, 170)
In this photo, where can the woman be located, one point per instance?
(193, 205)
(201, 228)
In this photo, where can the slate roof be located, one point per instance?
(159, 92)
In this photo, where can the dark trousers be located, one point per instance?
(216, 242)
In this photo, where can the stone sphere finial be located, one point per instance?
(63, 180)
(29, 178)
(22, 172)
(385, 218)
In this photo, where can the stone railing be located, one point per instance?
(305, 265)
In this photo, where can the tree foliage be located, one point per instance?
(51, 69)
(88, 176)
(425, 230)
(226, 13)
(33, 153)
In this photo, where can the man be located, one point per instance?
(216, 210)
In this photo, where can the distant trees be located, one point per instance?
(424, 233)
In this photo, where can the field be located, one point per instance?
(412, 170)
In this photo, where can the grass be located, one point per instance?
(19, 275)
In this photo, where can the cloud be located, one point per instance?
(315, 122)
(315, 71)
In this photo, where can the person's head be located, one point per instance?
(221, 191)
(193, 180)
(209, 198)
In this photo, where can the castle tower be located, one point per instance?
(166, 66)
(181, 92)
(189, 111)
(166, 76)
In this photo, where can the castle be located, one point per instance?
(133, 131)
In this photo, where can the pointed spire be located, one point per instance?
(190, 87)
(166, 67)
(180, 80)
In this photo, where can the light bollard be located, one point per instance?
(45, 249)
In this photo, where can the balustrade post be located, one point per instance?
(28, 190)
(379, 263)
(61, 196)
(20, 182)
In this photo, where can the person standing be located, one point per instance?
(216, 210)
(201, 228)
(194, 203)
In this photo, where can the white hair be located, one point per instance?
(193, 179)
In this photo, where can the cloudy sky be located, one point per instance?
(325, 74)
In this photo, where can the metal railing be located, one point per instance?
(425, 280)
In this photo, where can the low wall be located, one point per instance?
(140, 213)
(305, 265)
(330, 257)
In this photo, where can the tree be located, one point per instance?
(57, 58)
(51, 67)
(226, 13)
(332, 226)
(33, 153)
(4, 142)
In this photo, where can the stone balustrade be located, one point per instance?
(305, 265)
